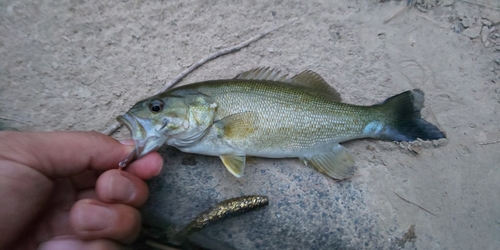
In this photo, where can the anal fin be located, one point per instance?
(235, 164)
(337, 163)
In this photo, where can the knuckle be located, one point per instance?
(94, 135)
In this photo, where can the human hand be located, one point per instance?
(62, 190)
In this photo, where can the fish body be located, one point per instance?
(265, 114)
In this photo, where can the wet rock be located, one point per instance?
(189, 161)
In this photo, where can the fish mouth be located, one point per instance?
(146, 137)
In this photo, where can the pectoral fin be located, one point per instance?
(235, 164)
(337, 163)
(236, 126)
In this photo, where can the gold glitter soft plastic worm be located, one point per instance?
(223, 210)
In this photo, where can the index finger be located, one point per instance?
(57, 154)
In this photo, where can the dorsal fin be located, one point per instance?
(307, 78)
(265, 73)
(312, 80)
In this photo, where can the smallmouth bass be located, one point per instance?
(266, 114)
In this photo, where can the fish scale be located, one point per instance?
(312, 120)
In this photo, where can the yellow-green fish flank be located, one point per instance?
(263, 113)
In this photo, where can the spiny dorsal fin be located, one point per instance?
(312, 80)
(236, 126)
(337, 163)
(235, 164)
(307, 78)
(265, 73)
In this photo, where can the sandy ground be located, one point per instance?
(75, 65)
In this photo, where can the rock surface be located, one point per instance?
(472, 32)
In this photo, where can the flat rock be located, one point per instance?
(448, 2)
(473, 32)
(491, 15)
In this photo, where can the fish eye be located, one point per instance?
(156, 106)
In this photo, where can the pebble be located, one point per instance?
(486, 22)
(458, 28)
(472, 32)
(466, 22)
(485, 32)
(448, 3)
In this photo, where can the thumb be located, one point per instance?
(58, 154)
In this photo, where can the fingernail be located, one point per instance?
(120, 188)
(62, 243)
(159, 168)
(127, 142)
(93, 217)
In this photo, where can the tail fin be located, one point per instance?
(405, 123)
